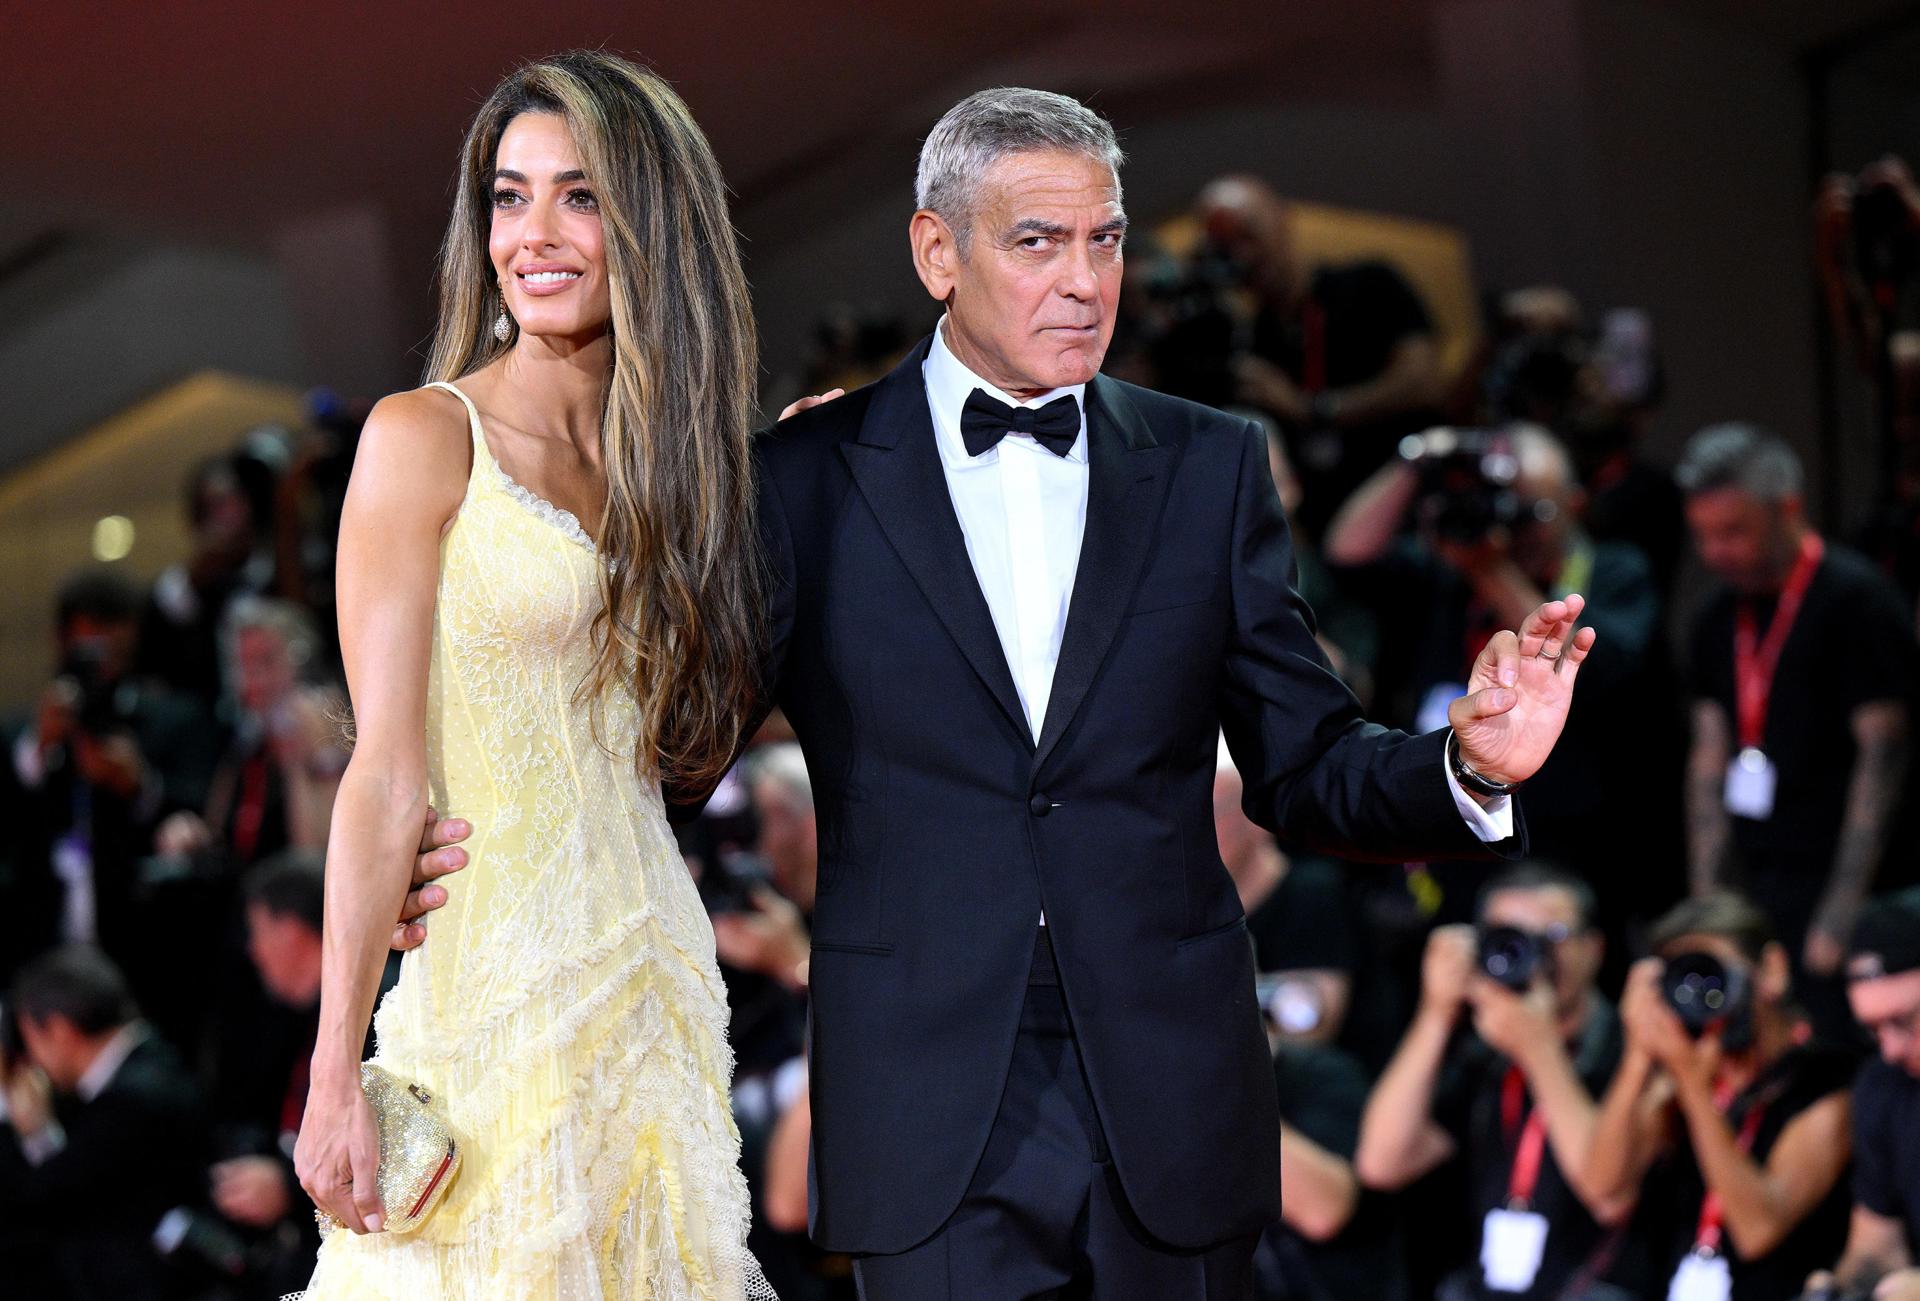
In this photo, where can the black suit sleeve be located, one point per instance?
(776, 544)
(143, 1144)
(1316, 773)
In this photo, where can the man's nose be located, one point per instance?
(1077, 279)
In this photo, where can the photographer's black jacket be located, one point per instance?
(945, 830)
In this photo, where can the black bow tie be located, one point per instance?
(985, 420)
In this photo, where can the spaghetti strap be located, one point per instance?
(473, 419)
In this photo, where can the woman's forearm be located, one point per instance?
(377, 817)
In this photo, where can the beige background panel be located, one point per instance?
(135, 464)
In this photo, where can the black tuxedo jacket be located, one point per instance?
(944, 829)
(133, 1153)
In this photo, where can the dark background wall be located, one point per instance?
(262, 190)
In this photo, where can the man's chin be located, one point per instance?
(1077, 366)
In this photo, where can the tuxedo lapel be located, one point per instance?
(1128, 481)
(896, 463)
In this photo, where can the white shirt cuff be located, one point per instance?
(1492, 823)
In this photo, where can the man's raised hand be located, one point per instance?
(1517, 698)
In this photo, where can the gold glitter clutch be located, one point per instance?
(418, 1156)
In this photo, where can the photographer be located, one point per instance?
(1513, 1100)
(275, 785)
(1335, 1241)
(229, 509)
(1304, 948)
(105, 755)
(1459, 532)
(760, 902)
(107, 1132)
(1597, 389)
(1792, 792)
(1883, 974)
(1724, 1115)
(1344, 357)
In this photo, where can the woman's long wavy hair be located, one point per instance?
(681, 623)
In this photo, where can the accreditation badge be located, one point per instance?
(1751, 780)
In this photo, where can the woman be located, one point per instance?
(1733, 1140)
(549, 603)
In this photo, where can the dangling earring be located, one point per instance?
(503, 326)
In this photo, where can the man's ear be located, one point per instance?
(936, 254)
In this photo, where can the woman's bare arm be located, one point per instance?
(409, 476)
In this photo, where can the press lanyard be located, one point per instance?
(1313, 347)
(1531, 1148)
(1706, 1241)
(1755, 659)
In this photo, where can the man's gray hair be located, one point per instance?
(990, 124)
(1741, 456)
(293, 625)
(783, 764)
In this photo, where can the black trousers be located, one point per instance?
(1045, 1216)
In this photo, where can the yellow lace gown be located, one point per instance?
(566, 1006)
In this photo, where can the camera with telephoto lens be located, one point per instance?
(1467, 482)
(1703, 991)
(1512, 957)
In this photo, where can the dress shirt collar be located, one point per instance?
(94, 1081)
(949, 383)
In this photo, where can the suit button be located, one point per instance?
(1039, 806)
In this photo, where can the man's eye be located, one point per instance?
(1033, 241)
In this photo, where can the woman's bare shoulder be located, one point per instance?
(416, 447)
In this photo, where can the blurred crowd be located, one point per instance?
(1675, 1053)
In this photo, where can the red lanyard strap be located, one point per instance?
(1313, 347)
(1755, 658)
(1532, 1146)
(1706, 1240)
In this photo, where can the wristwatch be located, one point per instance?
(1470, 779)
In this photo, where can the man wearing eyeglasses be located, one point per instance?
(1883, 986)
(1513, 1099)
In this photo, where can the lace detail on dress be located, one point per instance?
(564, 520)
(567, 1005)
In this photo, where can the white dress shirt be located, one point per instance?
(1023, 512)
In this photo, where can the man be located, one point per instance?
(105, 755)
(1802, 678)
(1014, 605)
(1303, 943)
(1447, 574)
(108, 1136)
(262, 1079)
(1515, 1100)
(770, 936)
(1883, 971)
(1343, 356)
(1729, 1130)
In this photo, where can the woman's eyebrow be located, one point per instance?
(559, 178)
